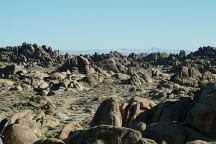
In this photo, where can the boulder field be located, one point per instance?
(50, 98)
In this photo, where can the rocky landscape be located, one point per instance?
(50, 98)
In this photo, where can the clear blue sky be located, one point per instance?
(86, 24)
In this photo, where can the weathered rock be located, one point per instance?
(76, 85)
(19, 134)
(56, 76)
(26, 87)
(187, 76)
(110, 65)
(6, 83)
(165, 112)
(146, 141)
(82, 61)
(39, 75)
(83, 65)
(202, 116)
(136, 80)
(16, 88)
(43, 85)
(3, 121)
(29, 114)
(49, 122)
(144, 103)
(138, 126)
(53, 141)
(156, 72)
(35, 127)
(130, 112)
(109, 135)
(146, 77)
(193, 135)
(65, 83)
(92, 78)
(171, 133)
(207, 76)
(108, 113)
(35, 83)
(122, 76)
(176, 110)
(11, 69)
(43, 92)
(68, 129)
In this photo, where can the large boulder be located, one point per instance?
(202, 116)
(32, 124)
(67, 130)
(109, 135)
(83, 65)
(29, 114)
(19, 134)
(193, 134)
(108, 113)
(168, 111)
(175, 110)
(171, 133)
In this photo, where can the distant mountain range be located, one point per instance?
(123, 51)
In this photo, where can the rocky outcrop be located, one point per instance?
(30, 53)
(187, 76)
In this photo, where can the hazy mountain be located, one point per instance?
(123, 51)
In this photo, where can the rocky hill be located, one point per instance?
(51, 98)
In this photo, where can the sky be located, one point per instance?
(109, 24)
